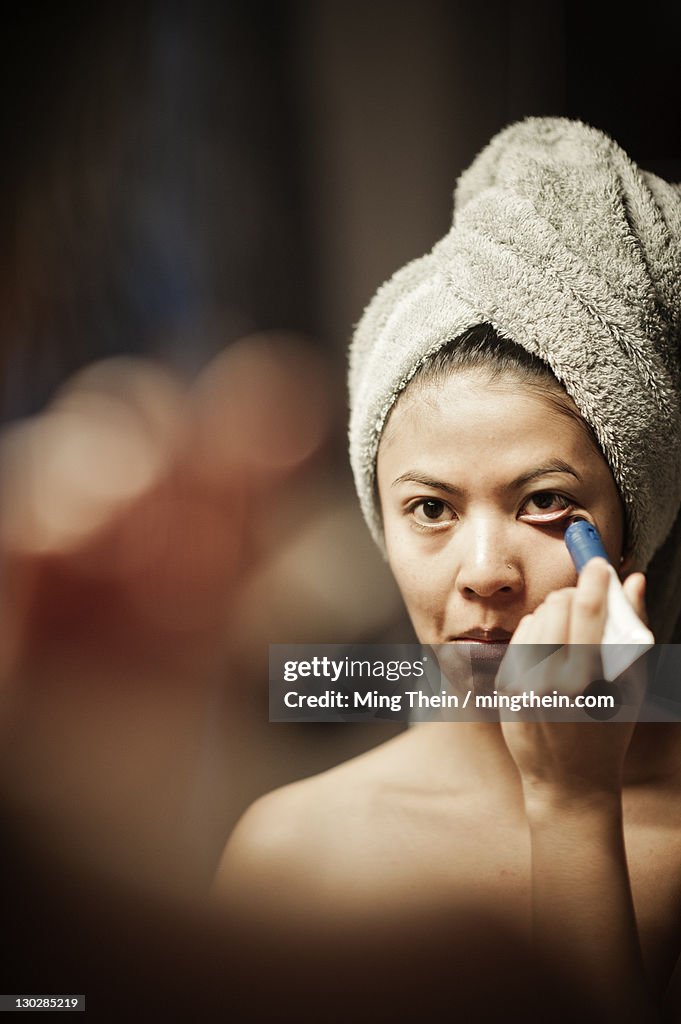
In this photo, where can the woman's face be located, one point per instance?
(477, 482)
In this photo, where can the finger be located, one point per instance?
(524, 631)
(553, 617)
(519, 658)
(590, 604)
(545, 625)
(536, 638)
(635, 589)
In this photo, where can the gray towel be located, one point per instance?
(569, 249)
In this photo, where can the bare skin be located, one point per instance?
(418, 817)
(564, 831)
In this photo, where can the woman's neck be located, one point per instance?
(471, 755)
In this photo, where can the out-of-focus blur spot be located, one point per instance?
(262, 406)
(156, 535)
(146, 388)
(66, 473)
(177, 562)
(316, 585)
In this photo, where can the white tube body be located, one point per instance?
(625, 637)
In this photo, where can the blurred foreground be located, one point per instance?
(156, 536)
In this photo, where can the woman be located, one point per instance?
(470, 453)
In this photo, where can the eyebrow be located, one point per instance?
(555, 466)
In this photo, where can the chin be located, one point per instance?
(469, 665)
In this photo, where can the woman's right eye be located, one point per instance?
(431, 512)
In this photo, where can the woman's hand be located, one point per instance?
(568, 760)
(583, 914)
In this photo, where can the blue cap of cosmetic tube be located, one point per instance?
(583, 543)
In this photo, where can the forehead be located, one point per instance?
(467, 419)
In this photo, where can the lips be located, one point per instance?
(483, 635)
(478, 649)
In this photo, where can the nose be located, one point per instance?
(487, 563)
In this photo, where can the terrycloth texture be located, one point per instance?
(566, 247)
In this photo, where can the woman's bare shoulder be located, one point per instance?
(279, 823)
(304, 809)
(303, 829)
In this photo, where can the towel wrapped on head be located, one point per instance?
(566, 247)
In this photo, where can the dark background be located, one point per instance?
(178, 175)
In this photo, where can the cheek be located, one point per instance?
(423, 585)
(547, 566)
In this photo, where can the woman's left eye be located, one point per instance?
(546, 506)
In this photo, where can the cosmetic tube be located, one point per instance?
(625, 637)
